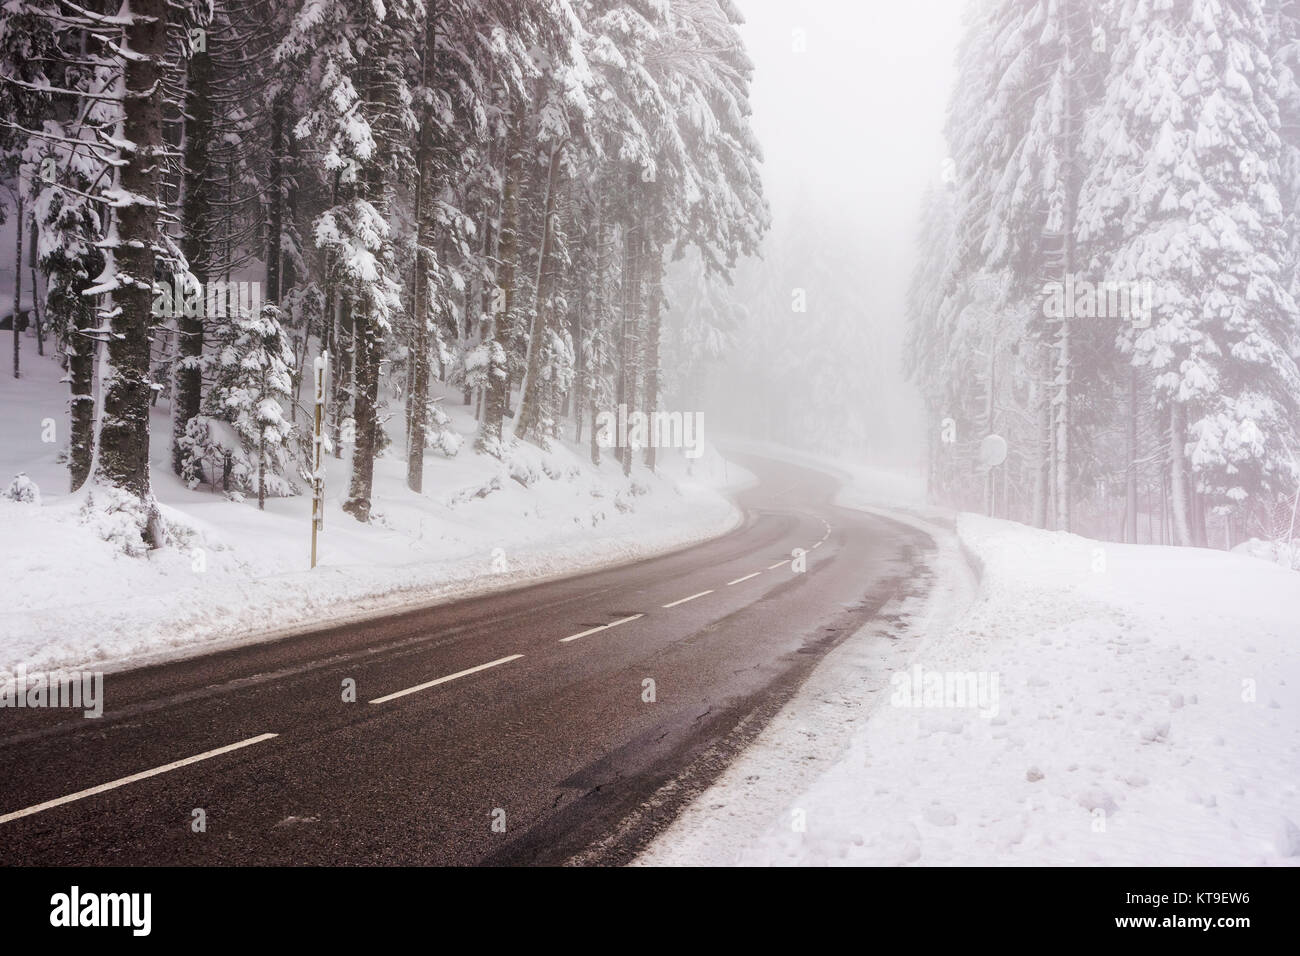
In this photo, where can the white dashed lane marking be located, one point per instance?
(685, 599)
(603, 627)
(133, 778)
(443, 680)
(745, 578)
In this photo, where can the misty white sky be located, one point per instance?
(857, 118)
(852, 126)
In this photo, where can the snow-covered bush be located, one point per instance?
(23, 489)
(118, 517)
(440, 435)
(243, 440)
(215, 456)
(524, 472)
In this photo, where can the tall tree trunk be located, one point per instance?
(123, 459)
(482, 314)
(1131, 454)
(288, 270)
(633, 238)
(18, 277)
(1062, 403)
(577, 329)
(530, 422)
(594, 380)
(497, 390)
(990, 488)
(275, 214)
(1179, 497)
(261, 470)
(341, 384)
(81, 384)
(196, 213)
(594, 410)
(1043, 466)
(417, 395)
(1164, 500)
(654, 320)
(1065, 364)
(32, 253)
(1200, 533)
(365, 413)
(367, 348)
(490, 251)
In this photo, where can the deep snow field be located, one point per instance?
(1146, 711)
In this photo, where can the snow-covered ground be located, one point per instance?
(1125, 705)
(73, 600)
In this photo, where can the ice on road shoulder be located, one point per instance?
(1096, 704)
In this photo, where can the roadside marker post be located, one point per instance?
(321, 367)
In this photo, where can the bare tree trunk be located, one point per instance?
(196, 213)
(633, 239)
(1130, 475)
(417, 395)
(367, 338)
(491, 251)
(1043, 469)
(1200, 534)
(123, 459)
(991, 385)
(365, 401)
(1064, 368)
(594, 411)
(573, 400)
(529, 421)
(18, 277)
(497, 397)
(1179, 497)
(654, 307)
(275, 215)
(261, 470)
(36, 290)
(1165, 534)
(81, 384)
(593, 377)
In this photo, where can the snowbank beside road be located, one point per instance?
(74, 600)
(1146, 712)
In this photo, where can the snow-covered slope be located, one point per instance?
(72, 599)
(1141, 705)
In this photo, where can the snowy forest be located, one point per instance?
(541, 212)
(1109, 266)
(649, 432)
(489, 194)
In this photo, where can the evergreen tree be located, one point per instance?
(244, 435)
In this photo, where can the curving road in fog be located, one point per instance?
(512, 728)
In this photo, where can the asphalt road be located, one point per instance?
(554, 753)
